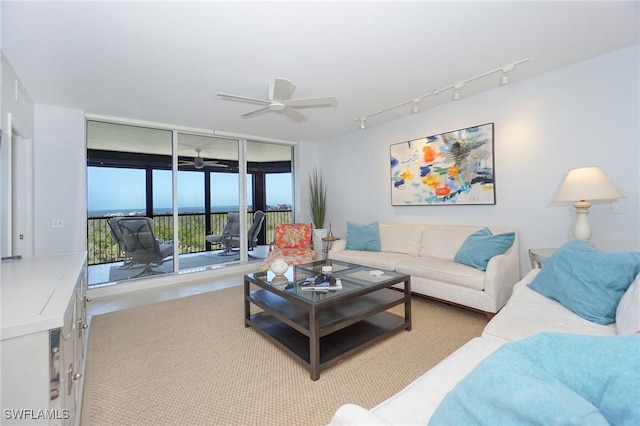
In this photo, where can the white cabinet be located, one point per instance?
(43, 301)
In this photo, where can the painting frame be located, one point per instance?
(451, 168)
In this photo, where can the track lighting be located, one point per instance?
(504, 79)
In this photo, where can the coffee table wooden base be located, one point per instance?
(321, 335)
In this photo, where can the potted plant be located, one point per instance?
(318, 206)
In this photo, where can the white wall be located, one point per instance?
(586, 114)
(22, 119)
(60, 183)
(307, 157)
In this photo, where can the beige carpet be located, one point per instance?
(191, 361)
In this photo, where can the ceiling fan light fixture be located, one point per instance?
(277, 106)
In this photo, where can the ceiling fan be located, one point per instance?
(198, 162)
(279, 100)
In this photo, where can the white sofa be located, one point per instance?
(526, 314)
(426, 253)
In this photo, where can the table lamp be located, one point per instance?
(580, 185)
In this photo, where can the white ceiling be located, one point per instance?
(166, 61)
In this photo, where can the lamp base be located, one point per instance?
(582, 231)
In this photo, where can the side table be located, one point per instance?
(539, 256)
(326, 245)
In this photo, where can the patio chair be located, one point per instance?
(141, 245)
(231, 230)
(117, 236)
(252, 233)
(292, 242)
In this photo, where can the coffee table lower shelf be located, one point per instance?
(334, 347)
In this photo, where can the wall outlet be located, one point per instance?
(617, 207)
(57, 223)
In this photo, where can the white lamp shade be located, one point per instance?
(586, 183)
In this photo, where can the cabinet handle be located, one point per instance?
(70, 376)
(87, 299)
(77, 376)
(85, 326)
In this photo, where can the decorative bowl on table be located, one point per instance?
(279, 267)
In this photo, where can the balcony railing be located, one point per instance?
(102, 248)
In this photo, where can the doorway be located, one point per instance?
(21, 193)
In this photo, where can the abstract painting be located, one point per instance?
(446, 169)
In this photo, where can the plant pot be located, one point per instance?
(318, 244)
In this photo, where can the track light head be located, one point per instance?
(362, 123)
(414, 108)
(456, 91)
(504, 78)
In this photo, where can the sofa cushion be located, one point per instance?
(528, 312)
(443, 241)
(293, 256)
(400, 239)
(479, 247)
(628, 310)
(444, 270)
(374, 259)
(528, 382)
(586, 281)
(363, 237)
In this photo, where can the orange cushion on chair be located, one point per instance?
(293, 235)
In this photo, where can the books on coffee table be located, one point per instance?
(321, 283)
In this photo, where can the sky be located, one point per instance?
(124, 189)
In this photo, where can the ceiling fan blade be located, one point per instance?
(293, 114)
(227, 97)
(323, 101)
(280, 89)
(256, 112)
(214, 164)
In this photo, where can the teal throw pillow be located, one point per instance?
(481, 246)
(550, 378)
(586, 281)
(363, 237)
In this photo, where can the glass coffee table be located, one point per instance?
(321, 328)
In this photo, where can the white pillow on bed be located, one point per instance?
(628, 310)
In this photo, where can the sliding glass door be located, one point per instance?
(208, 195)
(127, 171)
(271, 168)
(192, 187)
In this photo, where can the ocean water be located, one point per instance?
(160, 210)
(169, 210)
